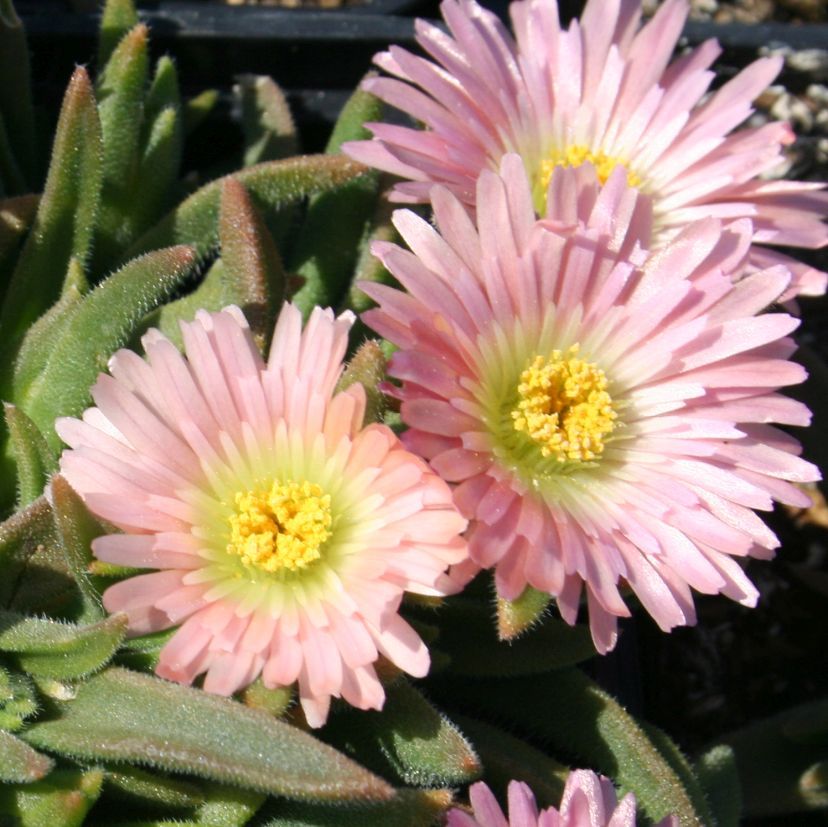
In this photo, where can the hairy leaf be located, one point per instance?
(719, 778)
(62, 799)
(119, 16)
(19, 763)
(35, 460)
(65, 220)
(123, 715)
(269, 131)
(104, 321)
(62, 651)
(135, 785)
(367, 366)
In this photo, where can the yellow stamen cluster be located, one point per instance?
(577, 154)
(282, 528)
(564, 406)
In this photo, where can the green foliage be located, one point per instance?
(267, 124)
(62, 799)
(367, 366)
(100, 323)
(467, 636)
(275, 701)
(35, 460)
(125, 716)
(18, 700)
(782, 761)
(507, 758)
(409, 738)
(19, 763)
(514, 617)
(137, 786)
(66, 215)
(719, 778)
(119, 16)
(46, 648)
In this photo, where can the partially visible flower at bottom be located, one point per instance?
(588, 801)
(284, 532)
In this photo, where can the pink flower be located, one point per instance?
(588, 801)
(604, 415)
(284, 533)
(602, 91)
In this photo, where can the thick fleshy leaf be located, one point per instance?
(197, 109)
(118, 17)
(410, 738)
(576, 717)
(362, 106)
(18, 700)
(35, 460)
(719, 778)
(228, 806)
(121, 88)
(255, 275)
(142, 653)
(275, 185)
(16, 107)
(104, 321)
(62, 799)
(780, 774)
(127, 716)
(76, 528)
(367, 366)
(19, 763)
(47, 648)
(467, 635)
(269, 131)
(137, 786)
(514, 617)
(507, 758)
(65, 220)
(409, 808)
(20, 537)
(275, 701)
(368, 266)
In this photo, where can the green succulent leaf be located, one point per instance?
(50, 649)
(119, 16)
(467, 635)
(367, 366)
(514, 617)
(21, 535)
(66, 215)
(253, 267)
(127, 716)
(267, 125)
(141, 653)
(507, 758)
(328, 244)
(780, 772)
(138, 786)
(35, 460)
(19, 763)
(719, 778)
(18, 700)
(417, 743)
(275, 185)
(198, 109)
(579, 719)
(409, 808)
(16, 109)
(104, 321)
(275, 701)
(62, 799)
(76, 528)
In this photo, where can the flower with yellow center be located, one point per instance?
(282, 528)
(564, 406)
(603, 413)
(282, 532)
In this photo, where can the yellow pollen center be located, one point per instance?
(577, 154)
(564, 406)
(282, 528)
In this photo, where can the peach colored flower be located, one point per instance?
(603, 91)
(284, 533)
(605, 415)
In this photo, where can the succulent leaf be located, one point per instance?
(126, 716)
(139, 786)
(19, 763)
(35, 460)
(118, 17)
(719, 778)
(514, 617)
(61, 799)
(367, 366)
(103, 322)
(267, 124)
(49, 649)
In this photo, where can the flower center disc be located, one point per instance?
(563, 405)
(282, 528)
(574, 156)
